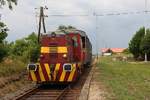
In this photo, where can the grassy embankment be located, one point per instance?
(124, 80)
(11, 67)
(11, 76)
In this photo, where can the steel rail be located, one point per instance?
(69, 91)
(61, 95)
(27, 93)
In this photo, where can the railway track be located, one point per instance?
(55, 92)
(44, 92)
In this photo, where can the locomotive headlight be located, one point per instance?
(65, 55)
(41, 56)
(32, 67)
(67, 67)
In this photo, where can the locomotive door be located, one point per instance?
(75, 51)
(83, 49)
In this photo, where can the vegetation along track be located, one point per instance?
(56, 92)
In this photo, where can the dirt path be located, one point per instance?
(93, 88)
(96, 91)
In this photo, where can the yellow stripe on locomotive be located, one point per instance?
(68, 67)
(54, 50)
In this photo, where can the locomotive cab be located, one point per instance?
(62, 56)
(56, 62)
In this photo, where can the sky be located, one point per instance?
(112, 31)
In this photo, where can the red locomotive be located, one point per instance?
(63, 56)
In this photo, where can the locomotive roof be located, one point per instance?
(61, 32)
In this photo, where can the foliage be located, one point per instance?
(9, 2)
(9, 67)
(28, 48)
(34, 47)
(3, 31)
(3, 51)
(134, 45)
(109, 51)
(63, 27)
(123, 80)
(126, 51)
(19, 47)
(71, 27)
(34, 54)
(145, 43)
(3, 35)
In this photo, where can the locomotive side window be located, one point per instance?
(83, 42)
(74, 39)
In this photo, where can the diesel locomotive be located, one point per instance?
(63, 57)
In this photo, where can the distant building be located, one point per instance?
(109, 51)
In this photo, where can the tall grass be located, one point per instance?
(125, 81)
(10, 67)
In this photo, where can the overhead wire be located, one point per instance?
(100, 14)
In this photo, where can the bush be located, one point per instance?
(34, 54)
(126, 51)
(9, 67)
(3, 51)
(28, 48)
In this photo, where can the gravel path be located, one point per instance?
(96, 91)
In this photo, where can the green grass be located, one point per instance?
(10, 67)
(125, 81)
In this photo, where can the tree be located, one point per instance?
(109, 51)
(126, 51)
(19, 47)
(3, 51)
(28, 48)
(3, 31)
(9, 2)
(62, 27)
(3, 35)
(33, 46)
(145, 43)
(34, 54)
(70, 27)
(134, 45)
(32, 39)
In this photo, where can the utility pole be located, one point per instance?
(96, 33)
(145, 27)
(41, 22)
(0, 16)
